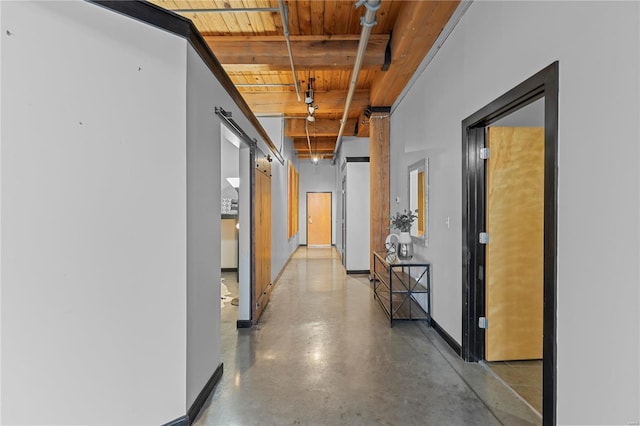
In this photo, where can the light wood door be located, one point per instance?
(514, 254)
(318, 218)
(262, 238)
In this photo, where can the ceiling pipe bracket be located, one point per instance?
(367, 24)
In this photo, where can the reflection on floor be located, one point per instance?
(323, 354)
(524, 377)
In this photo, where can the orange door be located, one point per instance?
(514, 254)
(318, 218)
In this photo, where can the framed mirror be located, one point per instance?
(419, 200)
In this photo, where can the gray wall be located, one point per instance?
(358, 249)
(496, 46)
(203, 224)
(94, 217)
(351, 147)
(110, 231)
(281, 246)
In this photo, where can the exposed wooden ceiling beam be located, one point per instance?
(331, 102)
(323, 145)
(260, 53)
(307, 156)
(321, 127)
(418, 25)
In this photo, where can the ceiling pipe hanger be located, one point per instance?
(368, 21)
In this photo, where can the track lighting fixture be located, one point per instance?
(308, 100)
(309, 93)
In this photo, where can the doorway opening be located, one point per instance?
(232, 263)
(475, 140)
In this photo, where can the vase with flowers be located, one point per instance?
(403, 222)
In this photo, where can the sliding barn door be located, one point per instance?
(262, 237)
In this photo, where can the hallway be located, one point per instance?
(323, 354)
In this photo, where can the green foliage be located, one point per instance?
(403, 221)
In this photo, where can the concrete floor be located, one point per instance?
(524, 377)
(323, 354)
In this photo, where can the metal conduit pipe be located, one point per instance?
(367, 21)
(284, 15)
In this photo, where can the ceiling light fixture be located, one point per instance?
(308, 100)
(309, 93)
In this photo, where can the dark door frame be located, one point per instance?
(330, 212)
(544, 84)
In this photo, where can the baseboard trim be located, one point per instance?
(197, 405)
(180, 421)
(358, 272)
(446, 337)
(229, 269)
(244, 324)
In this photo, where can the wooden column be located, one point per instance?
(379, 183)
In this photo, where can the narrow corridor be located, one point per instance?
(323, 354)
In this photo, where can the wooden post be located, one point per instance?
(379, 187)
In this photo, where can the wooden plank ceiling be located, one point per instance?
(324, 36)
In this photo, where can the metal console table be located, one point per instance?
(396, 288)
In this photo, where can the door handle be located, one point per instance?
(310, 220)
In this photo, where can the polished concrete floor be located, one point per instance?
(524, 377)
(323, 354)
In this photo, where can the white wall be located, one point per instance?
(316, 178)
(281, 245)
(496, 46)
(93, 217)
